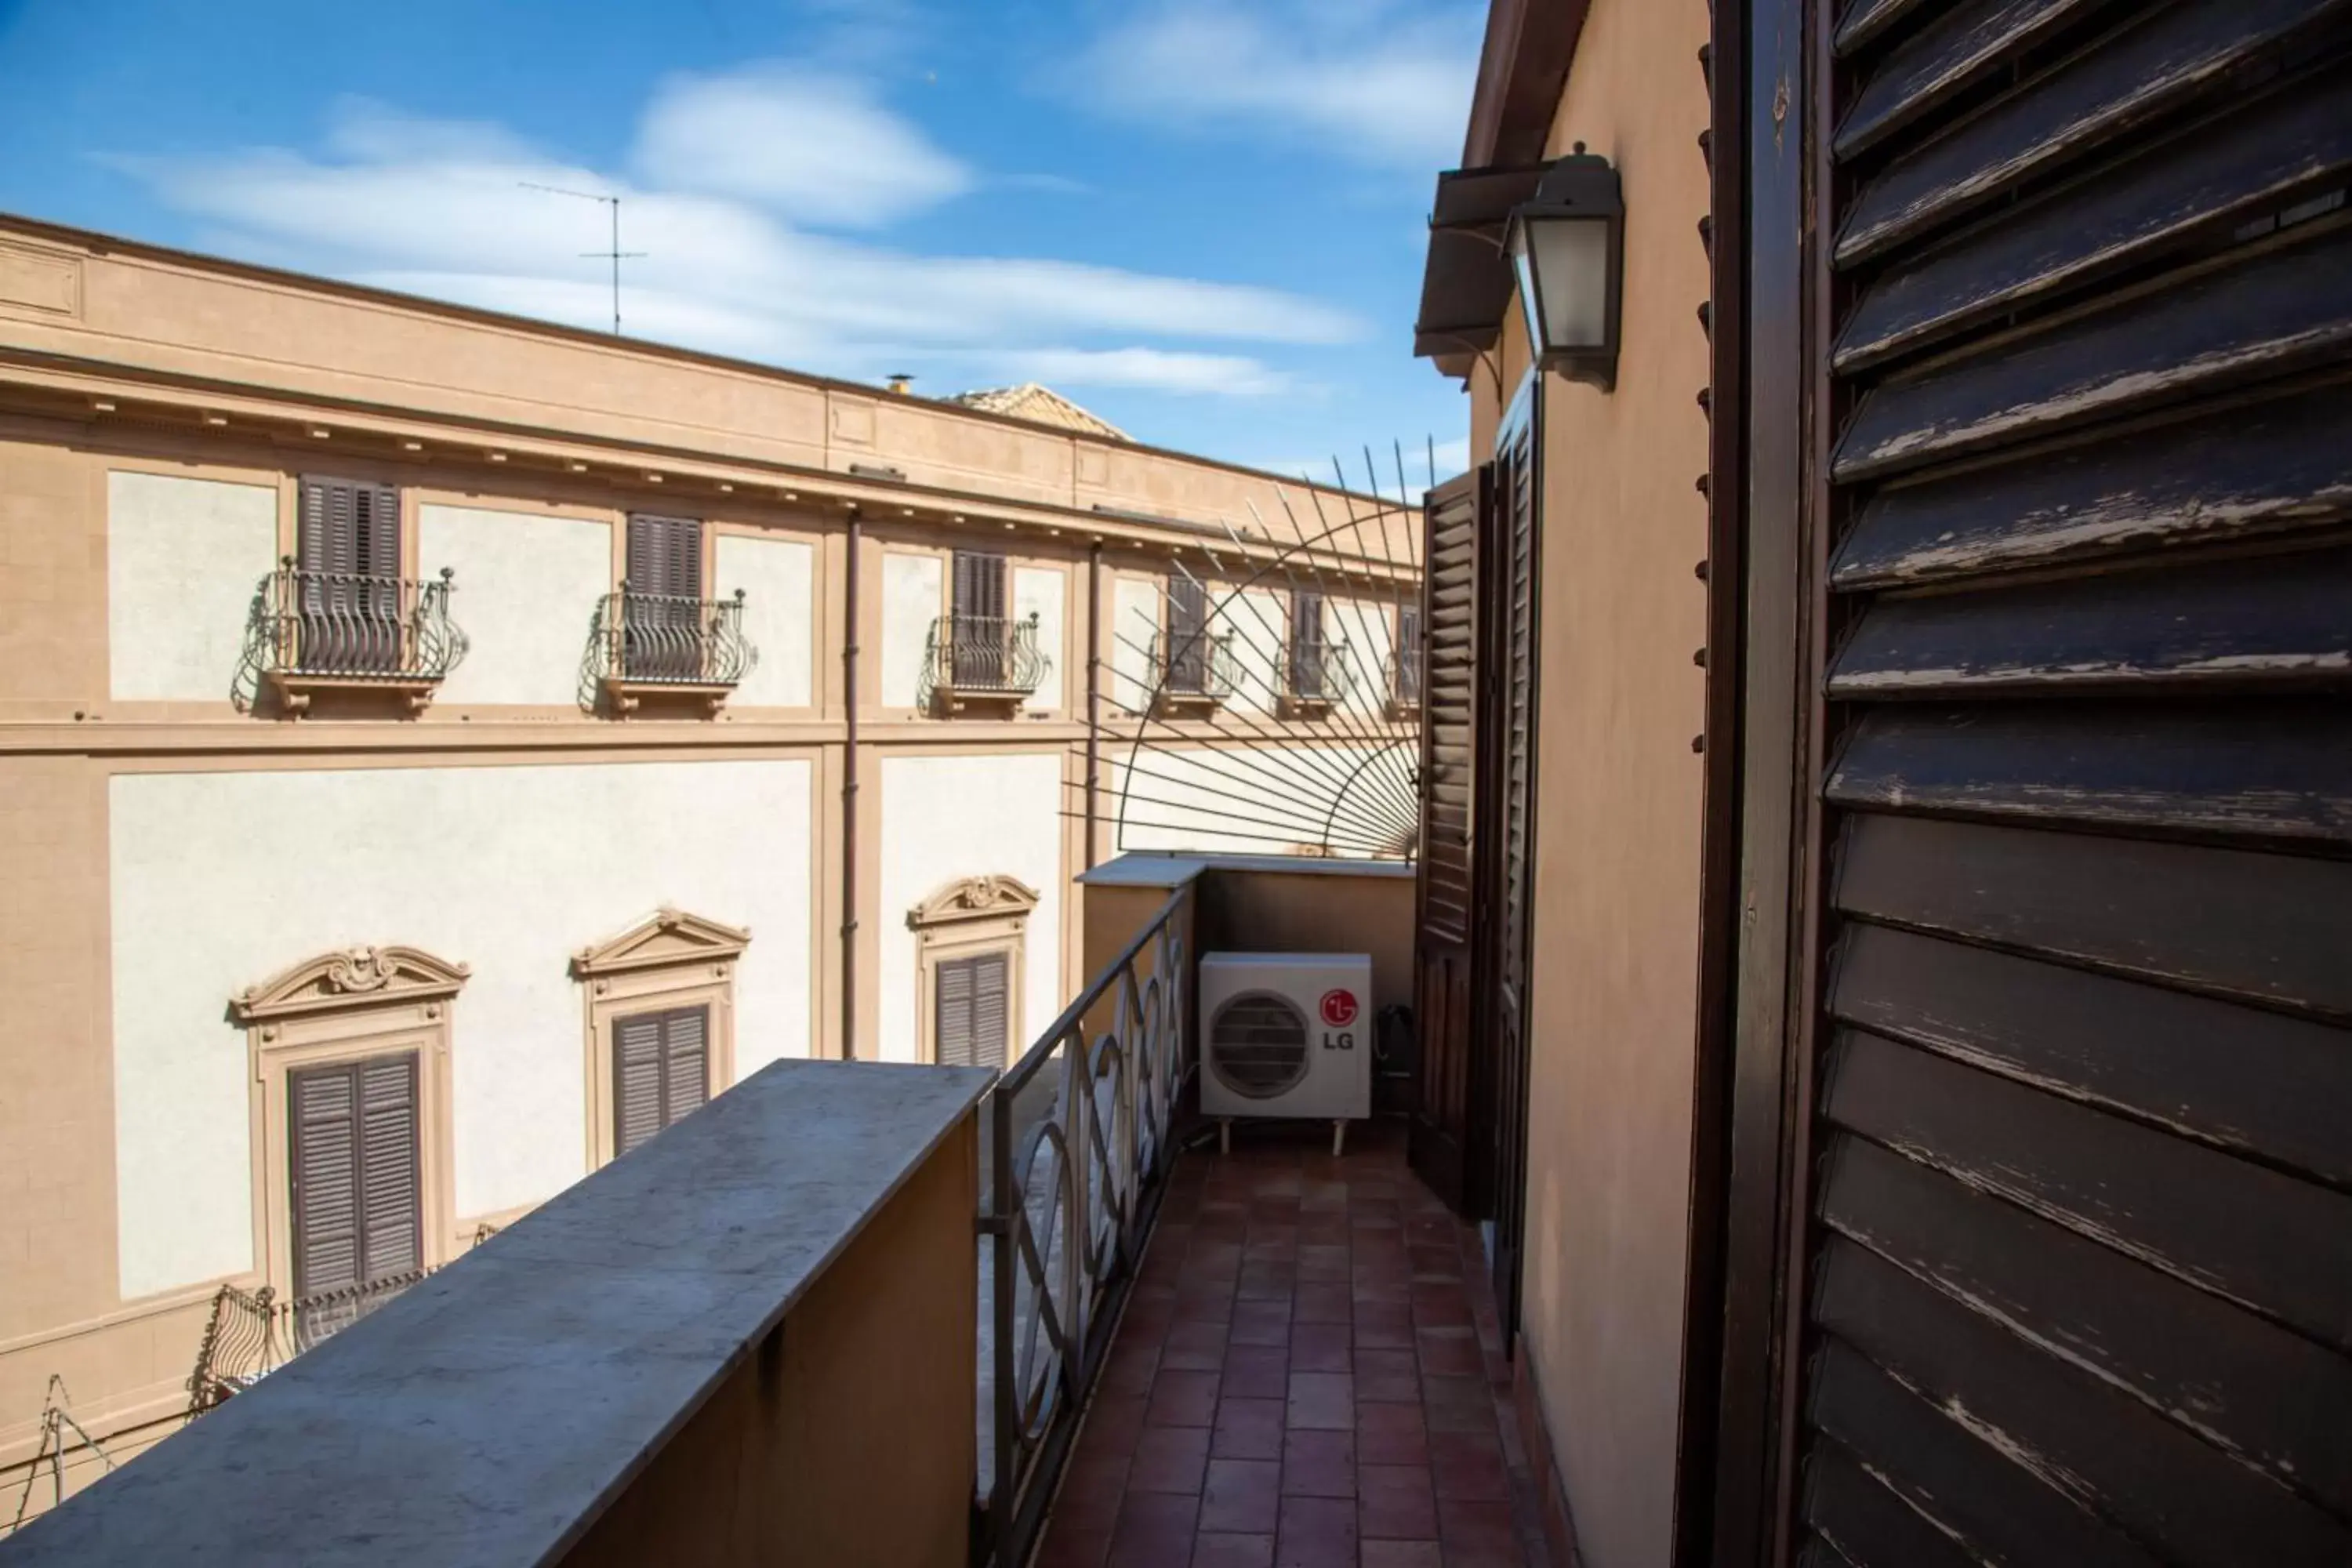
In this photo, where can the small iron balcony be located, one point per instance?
(982, 660)
(666, 647)
(313, 631)
(1315, 677)
(252, 1333)
(1401, 677)
(1193, 671)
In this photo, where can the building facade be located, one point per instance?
(437, 751)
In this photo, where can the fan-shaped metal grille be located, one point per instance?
(1257, 1045)
(1263, 692)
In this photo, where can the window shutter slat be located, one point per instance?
(636, 1081)
(952, 1012)
(991, 1010)
(391, 1208)
(687, 1062)
(323, 1122)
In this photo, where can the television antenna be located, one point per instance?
(615, 255)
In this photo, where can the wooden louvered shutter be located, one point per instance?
(990, 1009)
(2077, 1275)
(664, 555)
(952, 1034)
(322, 1126)
(685, 1059)
(1511, 593)
(1187, 645)
(983, 640)
(638, 1070)
(357, 1203)
(1443, 1128)
(1307, 643)
(347, 545)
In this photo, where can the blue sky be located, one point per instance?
(1201, 218)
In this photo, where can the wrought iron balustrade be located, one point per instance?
(984, 655)
(254, 1332)
(1080, 1140)
(1200, 666)
(1316, 673)
(1403, 670)
(669, 640)
(352, 627)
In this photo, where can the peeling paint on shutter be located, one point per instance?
(2078, 1268)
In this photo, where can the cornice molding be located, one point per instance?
(338, 980)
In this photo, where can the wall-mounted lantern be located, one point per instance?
(1568, 244)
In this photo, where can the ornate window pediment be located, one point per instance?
(350, 977)
(974, 899)
(667, 937)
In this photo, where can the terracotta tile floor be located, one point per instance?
(1310, 1373)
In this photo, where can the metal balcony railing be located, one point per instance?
(669, 639)
(1080, 1140)
(352, 627)
(1402, 675)
(982, 656)
(1315, 674)
(1194, 667)
(252, 1333)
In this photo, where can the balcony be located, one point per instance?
(852, 1312)
(1193, 673)
(981, 663)
(1400, 678)
(651, 650)
(1316, 677)
(349, 637)
(253, 1334)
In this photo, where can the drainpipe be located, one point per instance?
(1094, 689)
(849, 799)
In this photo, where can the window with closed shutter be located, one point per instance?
(1306, 671)
(661, 1071)
(971, 1018)
(347, 554)
(661, 638)
(354, 1156)
(1188, 644)
(983, 641)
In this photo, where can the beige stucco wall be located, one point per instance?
(1618, 816)
(161, 848)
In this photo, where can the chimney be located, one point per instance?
(899, 382)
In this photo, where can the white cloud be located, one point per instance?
(1381, 81)
(1159, 369)
(815, 148)
(440, 208)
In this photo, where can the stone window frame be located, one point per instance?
(669, 959)
(967, 918)
(346, 1005)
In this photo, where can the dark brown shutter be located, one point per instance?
(347, 526)
(1306, 643)
(347, 544)
(357, 1204)
(637, 1073)
(664, 555)
(1442, 1126)
(1510, 590)
(978, 586)
(2077, 1270)
(1187, 650)
(953, 1032)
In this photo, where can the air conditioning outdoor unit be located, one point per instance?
(1288, 1035)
